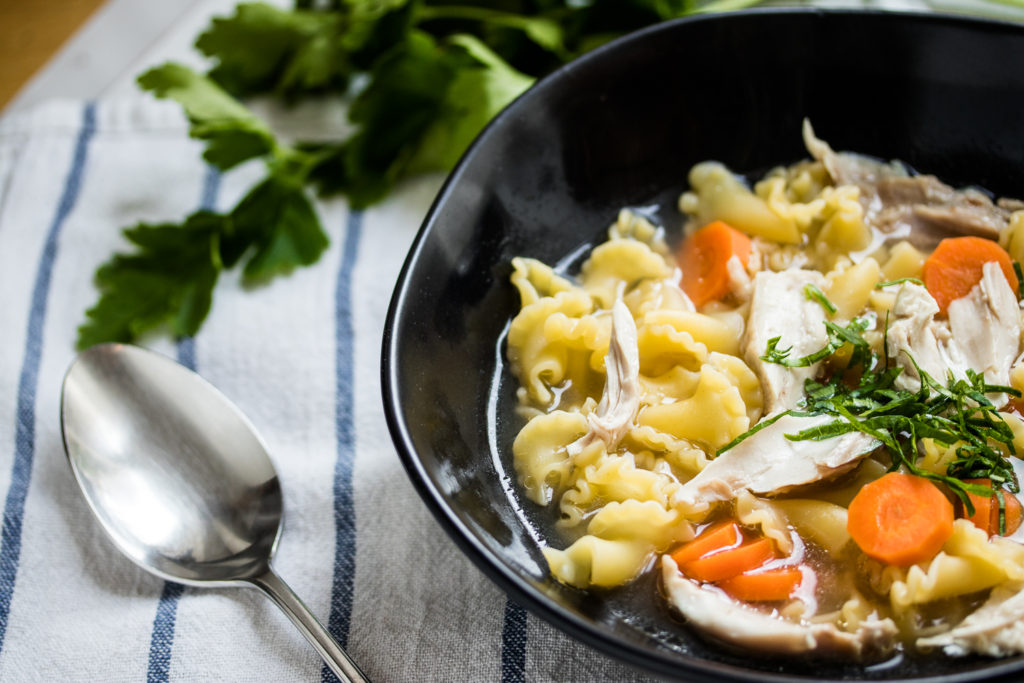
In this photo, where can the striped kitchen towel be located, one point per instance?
(300, 357)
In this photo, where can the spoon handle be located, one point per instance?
(285, 598)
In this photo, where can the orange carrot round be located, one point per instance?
(768, 585)
(728, 563)
(712, 539)
(900, 519)
(1012, 512)
(704, 258)
(956, 265)
(986, 510)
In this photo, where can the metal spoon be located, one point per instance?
(179, 479)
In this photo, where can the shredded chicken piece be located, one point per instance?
(621, 398)
(986, 327)
(768, 463)
(740, 284)
(846, 168)
(982, 333)
(714, 613)
(919, 208)
(929, 210)
(995, 629)
(915, 337)
(779, 307)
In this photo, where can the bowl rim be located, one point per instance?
(660, 661)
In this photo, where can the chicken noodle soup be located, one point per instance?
(804, 419)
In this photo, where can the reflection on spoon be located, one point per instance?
(179, 479)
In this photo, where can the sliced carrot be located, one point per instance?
(728, 563)
(956, 265)
(900, 519)
(986, 510)
(1012, 512)
(704, 258)
(768, 585)
(717, 537)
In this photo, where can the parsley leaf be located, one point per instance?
(424, 105)
(422, 78)
(168, 281)
(544, 31)
(483, 85)
(404, 97)
(233, 133)
(264, 48)
(278, 223)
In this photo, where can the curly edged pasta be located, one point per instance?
(695, 394)
(687, 453)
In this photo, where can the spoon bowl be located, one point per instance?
(179, 479)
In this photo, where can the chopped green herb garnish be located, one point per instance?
(838, 336)
(812, 292)
(1020, 279)
(956, 414)
(900, 281)
(750, 432)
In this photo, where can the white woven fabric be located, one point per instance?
(294, 356)
(71, 607)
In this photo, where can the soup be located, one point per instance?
(804, 418)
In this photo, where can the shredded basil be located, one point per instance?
(900, 281)
(813, 293)
(954, 414)
(838, 336)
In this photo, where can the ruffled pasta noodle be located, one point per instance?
(621, 502)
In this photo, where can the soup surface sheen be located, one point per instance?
(804, 418)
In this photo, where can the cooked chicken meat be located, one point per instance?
(920, 208)
(800, 538)
(849, 169)
(929, 211)
(915, 339)
(982, 333)
(768, 463)
(779, 307)
(714, 613)
(621, 397)
(986, 327)
(995, 629)
(740, 283)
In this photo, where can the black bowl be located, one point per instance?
(621, 127)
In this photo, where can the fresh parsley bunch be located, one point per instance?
(421, 79)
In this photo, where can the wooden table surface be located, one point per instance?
(31, 31)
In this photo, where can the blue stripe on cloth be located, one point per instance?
(162, 639)
(163, 633)
(344, 503)
(513, 644)
(211, 188)
(25, 429)
(185, 350)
